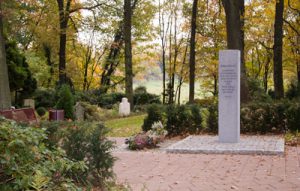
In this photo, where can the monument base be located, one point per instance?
(264, 145)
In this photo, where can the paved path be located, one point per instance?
(152, 170)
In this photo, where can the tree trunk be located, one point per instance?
(88, 57)
(266, 71)
(128, 51)
(192, 51)
(234, 10)
(5, 99)
(63, 24)
(47, 51)
(277, 50)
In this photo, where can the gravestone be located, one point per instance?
(79, 111)
(229, 96)
(29, 103)
(124, 107)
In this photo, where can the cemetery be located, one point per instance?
(149, 95)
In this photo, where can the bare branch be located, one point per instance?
(292, 27)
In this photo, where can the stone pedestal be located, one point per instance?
(229, 96)
(29, 103)
(124, 107)
(79, 111)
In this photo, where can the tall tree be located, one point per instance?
(5, 99)
(192, 51)
(128, 51)
(234, 10)
(64, 11)
(277, 50)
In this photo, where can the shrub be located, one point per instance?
(183, 119)
(41, 111)
(293, 91)
(84, 141)
(45, 98)
(212, 119)
(196, 119)
(145, 98)
(155, 114)
(108, 100)
(274, 117)
(140, 90)
(293, 120)
(256, 91)
(66, 101)
(28, 164)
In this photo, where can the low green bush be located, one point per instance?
(45, 98)
(41, 111)
(293, 91)
(155, 114)
(28, 164)
(183, 119)
(87, 142)
(146, 98)
(108, 100)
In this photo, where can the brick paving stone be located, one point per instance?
(164, 171)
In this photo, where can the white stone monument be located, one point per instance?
(124, 108)
(229, 96)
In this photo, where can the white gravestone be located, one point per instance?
(229, 96)
(124, 108)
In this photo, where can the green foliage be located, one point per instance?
(275, 117)
(293, 91)
(145, 98)
(179, 119)
(155, 114)
(66, 101)
(196, 119)
(41, 111)
(140, 90)
(183, 119)
(45, 98)
(212, 120)
(256, 91)
(28, 164)
(108, 100)
(293, 117)
(84, 141)
(20, 77)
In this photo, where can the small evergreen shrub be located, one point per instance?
(293, 91)
(41, 111)
(108, 100)
(212, 119)
(84, 141)
(66, 101)
(293, 120)
(196, 119)
(45, 98)
(183, 119)
(140, 90)
(155, 114)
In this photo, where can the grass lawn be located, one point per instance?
(125, 127)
